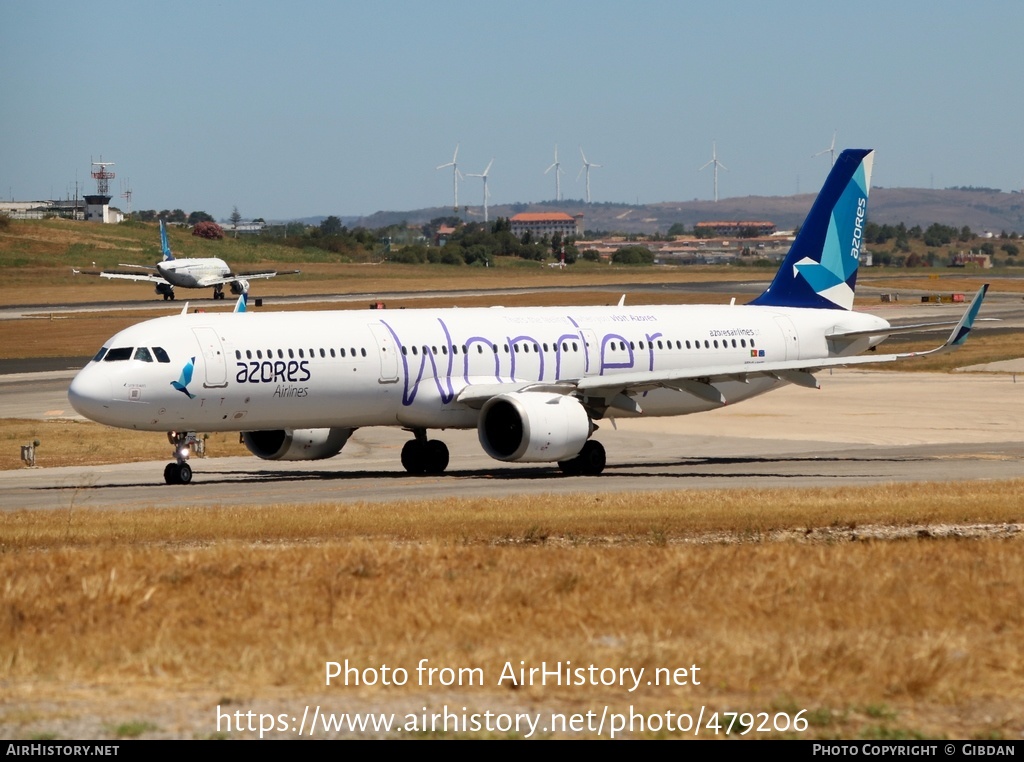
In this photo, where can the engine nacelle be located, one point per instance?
(296, 444)
(533, 427)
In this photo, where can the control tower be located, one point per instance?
(97, 206)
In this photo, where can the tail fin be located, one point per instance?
(165, 247)
(820, 269)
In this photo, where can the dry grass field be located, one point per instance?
(144, 622)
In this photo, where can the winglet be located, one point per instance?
(960, 333)
(963, 328)
(165, 248)
(240, 305)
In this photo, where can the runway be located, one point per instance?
(862, 427)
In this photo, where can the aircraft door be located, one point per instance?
(593, 351)
(387, 353)
(790, 337)
(213, 356)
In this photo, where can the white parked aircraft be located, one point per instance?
(533, 381)
(204, 272)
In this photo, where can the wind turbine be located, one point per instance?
(717, 163)
(831, 150)
(487, 193)
(558, 170)
(586, 166)
(455, 175)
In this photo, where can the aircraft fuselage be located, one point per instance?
(364, 368)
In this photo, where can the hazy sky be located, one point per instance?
(303, 108)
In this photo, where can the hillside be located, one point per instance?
(979, 210)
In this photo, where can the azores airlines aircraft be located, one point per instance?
(205, 272)
(532, 381)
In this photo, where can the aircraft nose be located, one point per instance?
(90, 394)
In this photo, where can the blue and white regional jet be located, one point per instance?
(532, 381)
(193, 272)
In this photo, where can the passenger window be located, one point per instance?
(143, 354)
(342, 350)
(362, 351)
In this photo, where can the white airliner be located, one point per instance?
(533, 381)
(202, 272)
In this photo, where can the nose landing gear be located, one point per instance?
(183, 442)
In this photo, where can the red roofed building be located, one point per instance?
(540, 224)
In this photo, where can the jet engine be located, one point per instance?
(296, 444)
(533, 427)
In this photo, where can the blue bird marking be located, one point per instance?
(185, 379)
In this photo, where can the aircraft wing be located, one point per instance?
(244, 277)
(617, 390)
(114, 274)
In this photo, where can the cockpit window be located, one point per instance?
(119, 353)
(160, 354)
(143, 354)
(99, 355)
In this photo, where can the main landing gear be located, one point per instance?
(590, 461)
(422, 456)
(180, 472)
(218, 291)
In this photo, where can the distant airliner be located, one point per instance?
(533, 381)
(205, 272)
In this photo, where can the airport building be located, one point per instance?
(735, 229)
(540, 224)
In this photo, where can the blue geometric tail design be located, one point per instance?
(165, 247)
(186, 378)
(820, 269)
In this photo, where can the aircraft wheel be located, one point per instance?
(436, 456)
(414, 457)
(184, 473)
(171, 473)
(592, 458)
(571, 467)
(590, 461)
